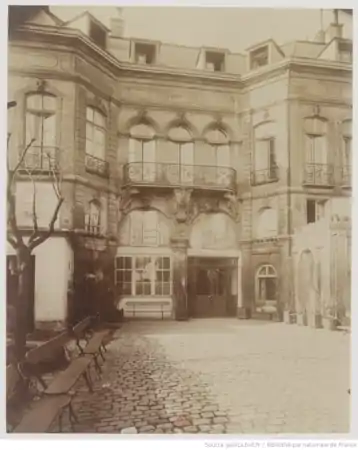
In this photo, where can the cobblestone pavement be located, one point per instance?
(220, 376)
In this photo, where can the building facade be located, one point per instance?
(185, 171)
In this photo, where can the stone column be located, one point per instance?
(180, 285)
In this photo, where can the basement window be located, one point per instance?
(315, 210)
(97, 34)
(259, 57)
(215, 61)
(144, 53)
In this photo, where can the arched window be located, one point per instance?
(142, 153)
(266, 288)
(40, 124)
(95, 133)
(93, 217)
(266, 223)
(181, 147)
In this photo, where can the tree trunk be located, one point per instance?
(22, 300)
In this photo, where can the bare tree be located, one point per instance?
(15, 235)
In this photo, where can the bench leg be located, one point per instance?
(88, 380)
(101, 352)
(97, 366)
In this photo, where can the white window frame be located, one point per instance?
(92, 148)
(152, 276)
(263, 273)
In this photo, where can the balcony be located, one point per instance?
(96, 166)
(40, 159)
(264, 176)
(318, 175)
(347, 176)
(174, 175)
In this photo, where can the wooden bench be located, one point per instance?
(95, 341)
(42, 413)
(55, 396)
(149, 307)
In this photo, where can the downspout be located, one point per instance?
(289, 199)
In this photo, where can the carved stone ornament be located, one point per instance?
(182, 204)
(233, 205)
(41, 85)
(208, 205)
(125, 198)
(316, 111)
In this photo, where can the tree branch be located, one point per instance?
(36, 242)
(12, 173)
(12, 241)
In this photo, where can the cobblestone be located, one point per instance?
(219, 376)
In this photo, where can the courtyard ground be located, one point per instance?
(220, 376)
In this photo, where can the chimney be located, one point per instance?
(335, 28)
(117, 24)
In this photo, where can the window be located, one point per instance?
(215, 61)
(143, 275)
(183, 148)
(97, 34)
(267, 223)
(144, 53)
(259, 57)
(265, 161)
(266, 288)
(316, 149)
(347, 151)
(95, 133)
(345, 51)
(40, 124)
(142, 154)
(315, 210)
(93, 218)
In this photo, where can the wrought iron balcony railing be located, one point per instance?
(318, 174)
(96, 165)
(40, 159)
(160, 174)
(347, 176)
(264, 176)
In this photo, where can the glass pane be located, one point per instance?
(166, 263)
(223, 156)
(89, 131)
(135, 151)
(149, 151)
(146, 289)
(90, 114)
(128, 262)
(127, 288)
(127, 275)
(270, 270)
(99, 119)
(166, 288)
(49, 131)
(89, 147)
(32, 128)
(166, 275)
(187, 153)
(34, 101)
(270, 289)
(158, 289)
(49, 102)
(119, 263)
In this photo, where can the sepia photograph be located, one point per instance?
(178, 194)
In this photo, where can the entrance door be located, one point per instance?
(11, 290)
(211, 287)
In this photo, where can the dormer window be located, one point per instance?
(144, 53)
(97, 34)
(345, 51)
(259, 57)
(215, 61)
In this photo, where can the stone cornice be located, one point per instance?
(116, 68)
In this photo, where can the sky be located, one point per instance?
(233, 28)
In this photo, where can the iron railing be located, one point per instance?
(96, 165)
(40, 159)
(264, 176)
(318, 174)
(160, 174)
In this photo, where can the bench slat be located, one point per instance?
(41, 416)
(95, 342)
(47, 349)
(65, 380)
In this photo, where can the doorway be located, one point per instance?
(212, 287)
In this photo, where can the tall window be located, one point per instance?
(183, 147)
(143, 275)
(219, 142)
(95, 133)
(93, 218)
(265, 160)
(266, 287)
(315, 209)
(347, 151)
(266, 223)
(142, 154)
(316, 149)
(41, 126)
